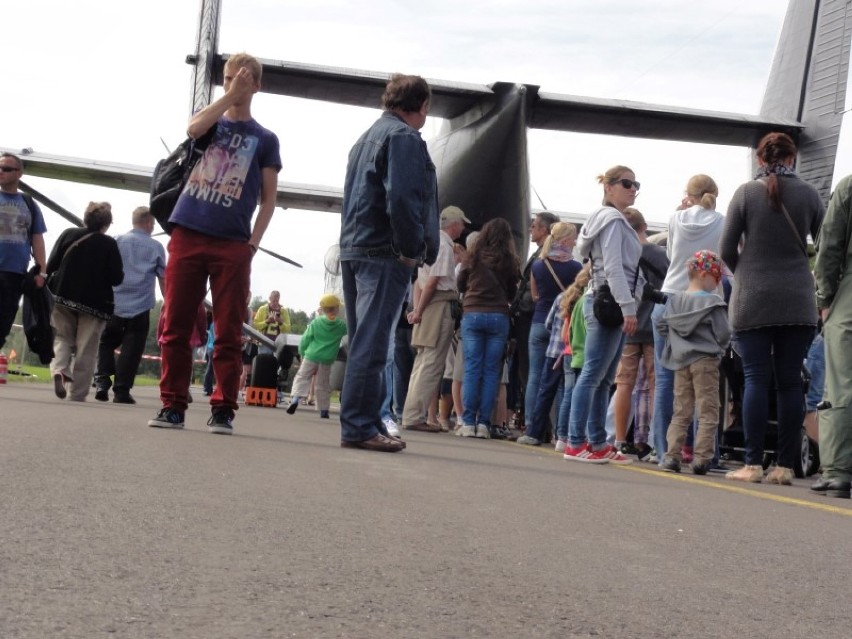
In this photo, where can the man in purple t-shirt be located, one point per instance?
(213, 238)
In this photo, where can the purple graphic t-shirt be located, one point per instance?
(223, 191)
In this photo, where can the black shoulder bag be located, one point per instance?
(606, 309)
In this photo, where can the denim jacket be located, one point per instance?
(390, 197)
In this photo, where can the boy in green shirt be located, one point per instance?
(318, 350)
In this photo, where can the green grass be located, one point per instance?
(41, 374)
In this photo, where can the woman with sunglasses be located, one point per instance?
(695, 226)
(613, 247)
(773, 307)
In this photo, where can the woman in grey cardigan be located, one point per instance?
(773, 305)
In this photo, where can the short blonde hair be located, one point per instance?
(635, 219)
(240, 60)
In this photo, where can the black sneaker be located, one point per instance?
(294, 404)
(122, 398)
(167, 418)
(59, 386)
(221, 422)
(700, 468)
(102, 395)
(669, 465)
(324, 414)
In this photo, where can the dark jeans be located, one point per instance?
(403, 362)
(209, 376)
(519, 366)
(780, 350)
(10, 297)
(373, 290)
(130, 334)
(550, 383)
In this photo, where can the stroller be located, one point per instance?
(731, 435)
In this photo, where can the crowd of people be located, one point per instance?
(442, 320)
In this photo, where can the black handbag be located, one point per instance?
(606, 309)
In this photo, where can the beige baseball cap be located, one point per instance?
(454, 213)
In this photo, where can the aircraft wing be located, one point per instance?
(553, 111)
(132, 177)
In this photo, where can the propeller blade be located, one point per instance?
(53, 206)
(280, 257)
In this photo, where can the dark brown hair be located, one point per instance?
(773, 149)
(495, 248)
(406, 92)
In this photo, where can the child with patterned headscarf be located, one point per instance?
(696, 331)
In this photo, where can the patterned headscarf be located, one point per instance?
(706, 261)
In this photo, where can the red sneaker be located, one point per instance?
(610, 454)
(583, 454)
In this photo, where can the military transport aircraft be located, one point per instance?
(481, 151)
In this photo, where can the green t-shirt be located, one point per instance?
(321, 340)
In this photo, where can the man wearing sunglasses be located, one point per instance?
(21, 233)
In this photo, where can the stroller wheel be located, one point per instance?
(807, 461)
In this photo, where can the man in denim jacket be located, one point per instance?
(389, 225)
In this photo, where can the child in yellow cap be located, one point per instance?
(318, 350)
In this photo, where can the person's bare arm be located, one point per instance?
(422, 301)
(40, 255)
(268, 193)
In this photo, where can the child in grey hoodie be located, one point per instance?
(696, 331)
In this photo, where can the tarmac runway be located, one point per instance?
(113, 529)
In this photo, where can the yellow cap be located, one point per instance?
(330, 301)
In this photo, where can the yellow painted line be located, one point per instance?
(790, 501)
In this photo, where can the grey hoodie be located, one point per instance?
(694, 325)
(613, 246)
(693, 229)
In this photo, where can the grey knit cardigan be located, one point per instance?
(773, 285)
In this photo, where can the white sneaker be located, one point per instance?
(560, 445)
(482, 432)
(466, 430)
(392, 426)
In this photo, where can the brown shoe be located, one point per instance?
(379, 443)
(423, 427)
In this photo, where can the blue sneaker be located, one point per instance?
(221, 422)
(167, 418)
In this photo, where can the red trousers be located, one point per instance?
(193, 258)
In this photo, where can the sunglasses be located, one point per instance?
(8, 169)
(627, 184)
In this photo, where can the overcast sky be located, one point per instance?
(105, 80)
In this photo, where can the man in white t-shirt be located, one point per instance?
(433, 322)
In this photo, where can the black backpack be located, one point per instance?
(171, 175)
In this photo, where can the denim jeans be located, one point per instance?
(373, 290)
(209, 377)
(591, 392)
(549, 390)
(403, 362)
(816, 367)
(538, 341)
(484, 341)
(387, 378)
(663, 390)
(569, 378)
(780, 350)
